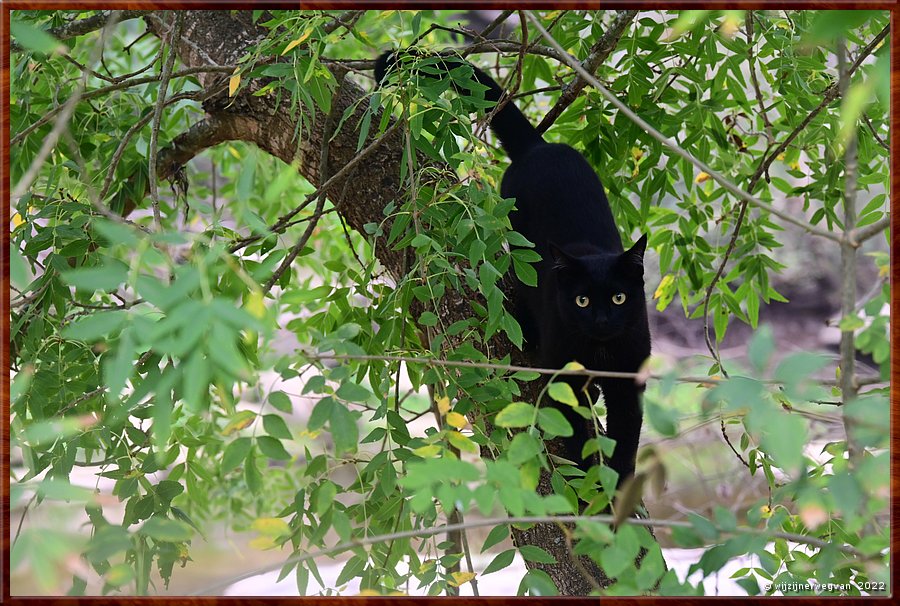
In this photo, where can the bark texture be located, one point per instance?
(222, 37)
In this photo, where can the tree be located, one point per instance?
(149, 314)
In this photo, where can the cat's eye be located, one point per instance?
(582, 301)
(619, 298)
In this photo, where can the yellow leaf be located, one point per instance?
(460, 578)
(461, 442)
(701, 177)
(427, 452)
(368, 592)
(573, 366)
(443, 404)
(294, 43)
(795, 165)
(732, 23)
(234, 152)
(262, 543)
(17, 220)
(255, 304)
(664, 285)
(309, 434)
(240, 421)
(273, 527)
(637, 153)
(780, 156)
(454, 419)
(233, 83)
(766, 511)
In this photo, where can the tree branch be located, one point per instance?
(598, 53)
(84, 26)
(561, 519)
(157, 117)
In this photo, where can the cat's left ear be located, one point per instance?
(635, 254)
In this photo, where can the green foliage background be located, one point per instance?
(136, 349)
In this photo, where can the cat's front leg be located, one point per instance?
(624, 417)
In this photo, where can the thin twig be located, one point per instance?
(849, 388)
(157, 117)
(114, 87)
(583, 372)
(74, 29)
(62, 120)
(753, 79)
(875, 134)
(320, 204)
(285, 219)
(597, 54)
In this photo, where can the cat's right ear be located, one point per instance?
(560, 259)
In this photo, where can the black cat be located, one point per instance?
(589, 303)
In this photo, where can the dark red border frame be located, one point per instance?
(5, 188)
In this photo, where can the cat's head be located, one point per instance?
(600, 295)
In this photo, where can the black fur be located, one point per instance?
(561, 207)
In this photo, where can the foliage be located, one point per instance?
(148, 356)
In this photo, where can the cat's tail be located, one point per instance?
(516, 133)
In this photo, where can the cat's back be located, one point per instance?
(559, 197)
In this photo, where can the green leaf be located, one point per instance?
(235, 453)
(353, 392)
(517, 414)
(496, 535)
(163, 529)
(31, 38)
(280, 401)
(107, 277)
(532, 553)
(784, 438)
(553, 422)
(94, 326)
(562, 392)
(524, 447)
(344, 431)
(538, 583)
(761, 347)
(168, 490)
(117, 368)
(272, 448)
(500, 561)
(662, 419)
(428, 319)
(828, 25)
(276, 427)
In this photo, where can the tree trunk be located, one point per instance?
(225, 36)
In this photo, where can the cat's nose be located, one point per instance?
(601, 324)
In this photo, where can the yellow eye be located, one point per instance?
(619, 298)
(582, 301)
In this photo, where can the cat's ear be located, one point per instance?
(635, 254)
(560, 259)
